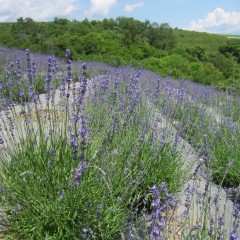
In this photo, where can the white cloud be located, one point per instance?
(131, 7)
(218, 21)
(100, 7)
(38, 10)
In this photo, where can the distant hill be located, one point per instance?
(208, 41)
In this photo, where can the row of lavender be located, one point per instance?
(86, 155)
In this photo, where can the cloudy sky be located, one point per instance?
(219, 16)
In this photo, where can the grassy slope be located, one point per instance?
(210, 42)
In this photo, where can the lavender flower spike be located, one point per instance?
(234, 236)
(1, 140)
(79, 172)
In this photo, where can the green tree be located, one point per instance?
(198, 53)
(160, 37)
(130, 29)
(223, 64)
(232, 47)
(109, 24)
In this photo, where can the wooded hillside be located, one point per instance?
(201, 57)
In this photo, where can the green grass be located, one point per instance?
(225, 149)
(190, 39)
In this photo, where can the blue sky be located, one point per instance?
(219, 16)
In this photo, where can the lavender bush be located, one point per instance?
(92, 152)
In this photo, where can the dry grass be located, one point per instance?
(44, 115)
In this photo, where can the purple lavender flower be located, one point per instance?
(194, 236)
(19, 71)
(73, 140)
(221, 221)
(27, 121)
(83, 132)
(211, 230)
(74, 144)
(21, 93)
(234, 236)
(75, 119)
(79, 171)
(31, 95)
(236, 213)
(155, 191)
(189, 190)
(82, 164)
(158, 221)
(62, 195)
(155, 232)
(84, 233)
(48, 96)
(1, 83)
(158, 85)
(1, 140)
(68, 57)
(29, 66)
(84, 66)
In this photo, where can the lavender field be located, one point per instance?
(89, 151)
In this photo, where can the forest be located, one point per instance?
(210, 59)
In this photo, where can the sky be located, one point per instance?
(215, 16)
